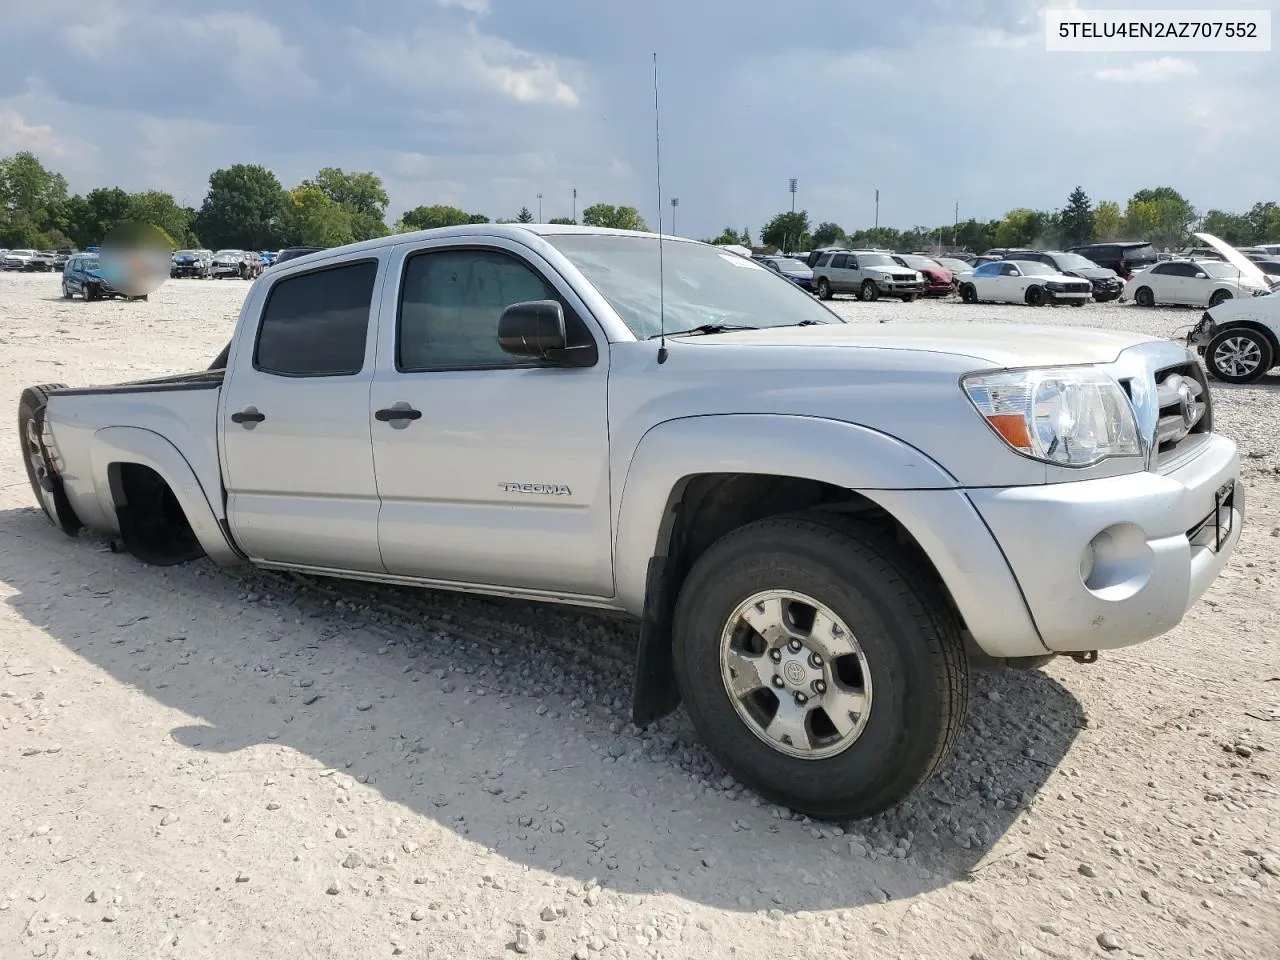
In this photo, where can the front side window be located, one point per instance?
(450, 303)
(316, 324)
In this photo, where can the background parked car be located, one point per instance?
(1106, 284)
(939, 281)
(792, 269)
(867, 274)
(228, 263)
(83, 276)
(960, 269)
(1239, 338)
(1024, 281)
(17, 259)
(1125, 257)
(289, 253)
(1196, 283)
(192, 263)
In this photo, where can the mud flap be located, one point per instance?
(654, 693)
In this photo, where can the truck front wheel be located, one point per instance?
(821, 665)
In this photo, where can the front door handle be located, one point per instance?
(248, 415)
(400, 411)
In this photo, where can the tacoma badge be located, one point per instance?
(546, 489)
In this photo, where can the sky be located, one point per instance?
(484, 104)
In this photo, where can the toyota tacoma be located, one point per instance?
(822, 527)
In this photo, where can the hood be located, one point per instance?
(1247, 267)
(938, 274)
(997, 344)
(1096, 273)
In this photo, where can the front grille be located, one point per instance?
(1186, 414)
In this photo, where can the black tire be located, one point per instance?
(824, 288)
(66, 291)
(1218, 297)
(1144, 297)
(868, 291)
(53, 501)
(908, 297)
(910, 638)
(1078, 303)
(1236, 340)
(1035, 296)
(968, 293)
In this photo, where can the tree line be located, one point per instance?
(1160, 215)
(247, 207)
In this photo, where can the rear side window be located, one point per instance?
(1145, 252)
(840, 260)
(316, 324)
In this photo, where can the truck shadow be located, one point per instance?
(506, 723)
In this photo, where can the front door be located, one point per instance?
(501, 478)
(294, 419)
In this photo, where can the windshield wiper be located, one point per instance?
(703, 329)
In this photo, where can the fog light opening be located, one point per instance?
(1117, 563)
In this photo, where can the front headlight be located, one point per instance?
(1070, 416)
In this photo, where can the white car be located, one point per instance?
(1195, 283)
(1239, 338)
(1024, 281)
(17, 260)
(228, 263)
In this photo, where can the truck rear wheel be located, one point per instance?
(820, 665)
(45, 484)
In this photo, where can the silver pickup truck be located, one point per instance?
(822, 527)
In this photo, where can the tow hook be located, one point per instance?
(1087, 656)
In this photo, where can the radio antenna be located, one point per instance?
(657, 152)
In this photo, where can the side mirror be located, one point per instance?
(534, 328)
(1201, 276)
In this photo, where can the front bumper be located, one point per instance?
(899, 287)
(1104, 290)
(1109, 563)
(1067, 296)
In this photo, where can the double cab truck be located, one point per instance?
(822, 527)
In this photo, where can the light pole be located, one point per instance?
(792, 185)
(575, 204)
(675, 202)
(877, 208)
(539, 208)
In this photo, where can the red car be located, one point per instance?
(938, 280)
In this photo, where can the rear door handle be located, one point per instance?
(401, 411)
(248, 415)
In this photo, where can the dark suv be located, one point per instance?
(1106, 284)
(1125, 257)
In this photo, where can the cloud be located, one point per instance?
(486, 103)
(1160, 70)
(17, 135)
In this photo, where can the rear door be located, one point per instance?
(842, 276)
(501, 477)
(297, 454)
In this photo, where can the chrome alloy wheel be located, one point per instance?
(1237, 356)
(796, 674)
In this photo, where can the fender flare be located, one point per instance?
(150, 449)
(813, 448)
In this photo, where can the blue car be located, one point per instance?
(83, 275)
(792, 269)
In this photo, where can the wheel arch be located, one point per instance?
(689, 483)
(115, 448)
(1265, 329)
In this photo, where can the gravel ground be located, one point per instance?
(195, 764)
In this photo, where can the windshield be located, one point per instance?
(701, 285)
(875, 260)
(921, 263)
(187, 253)
(1073, 261)
(1033, 268)
(89, 263)
(955, 265)
(787, 265)
(230, 253)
